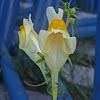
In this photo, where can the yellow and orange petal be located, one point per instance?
(22, 28)
(58, 25)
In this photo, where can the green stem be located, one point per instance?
(54, 85)
(67, 21)
(72, 29)
(42, 68)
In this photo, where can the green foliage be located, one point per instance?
(49, 89)
(71, 14)
(41, 57)
(61, 91)
(77, 92)
(64, 71)
(29, 72)
(66, 8)
(31, 85)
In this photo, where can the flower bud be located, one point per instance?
(71, 21)
(72, 11)
(66, 11)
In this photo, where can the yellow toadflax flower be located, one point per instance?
(28, 42)
(56, 44)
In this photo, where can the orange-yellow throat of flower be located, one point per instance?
(22, 28)
(58, 25)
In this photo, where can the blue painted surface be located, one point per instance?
(86, 31)
(87, 22)
(39, 13)
(25, 10)
(12, 81)
(96, 93)
(73, 3)
(87, 5)
(8, 20)
(8, 15)
(11, 78)
(92, 5)
(41, 22)
(86, 28)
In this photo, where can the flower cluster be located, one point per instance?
(52, 46)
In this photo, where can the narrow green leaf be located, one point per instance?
(47, 69)
(60, 7)
(42, 57)
(40, 54)
(49, 89)
(62, 3)
(82, 92)
(76, 8)
(40, 60)
(75, 16)
(31, 85)
(61, 91)
(72, 29)
(47, 72)
(48, 75)
(63, 70)
(69, 3)
(70, 62)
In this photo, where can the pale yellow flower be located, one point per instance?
(28, 42)
(56, 44)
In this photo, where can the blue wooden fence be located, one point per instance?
(11, 79)
(87, 5)
(96, 92)
(38, 8)
(8, 15)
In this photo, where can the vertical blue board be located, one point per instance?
(39, 13)
(8, 14)
(12, 81)
(87, 3)
(96, 93)
(92, 5)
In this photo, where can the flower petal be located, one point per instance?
(31, 50)
(42, 38)
(22, 39)
(51, 14)
(28, 40)
(28, 24)
(70, 45)
(32, 47)
(54, 54)
(60, 14)
(65, 35)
